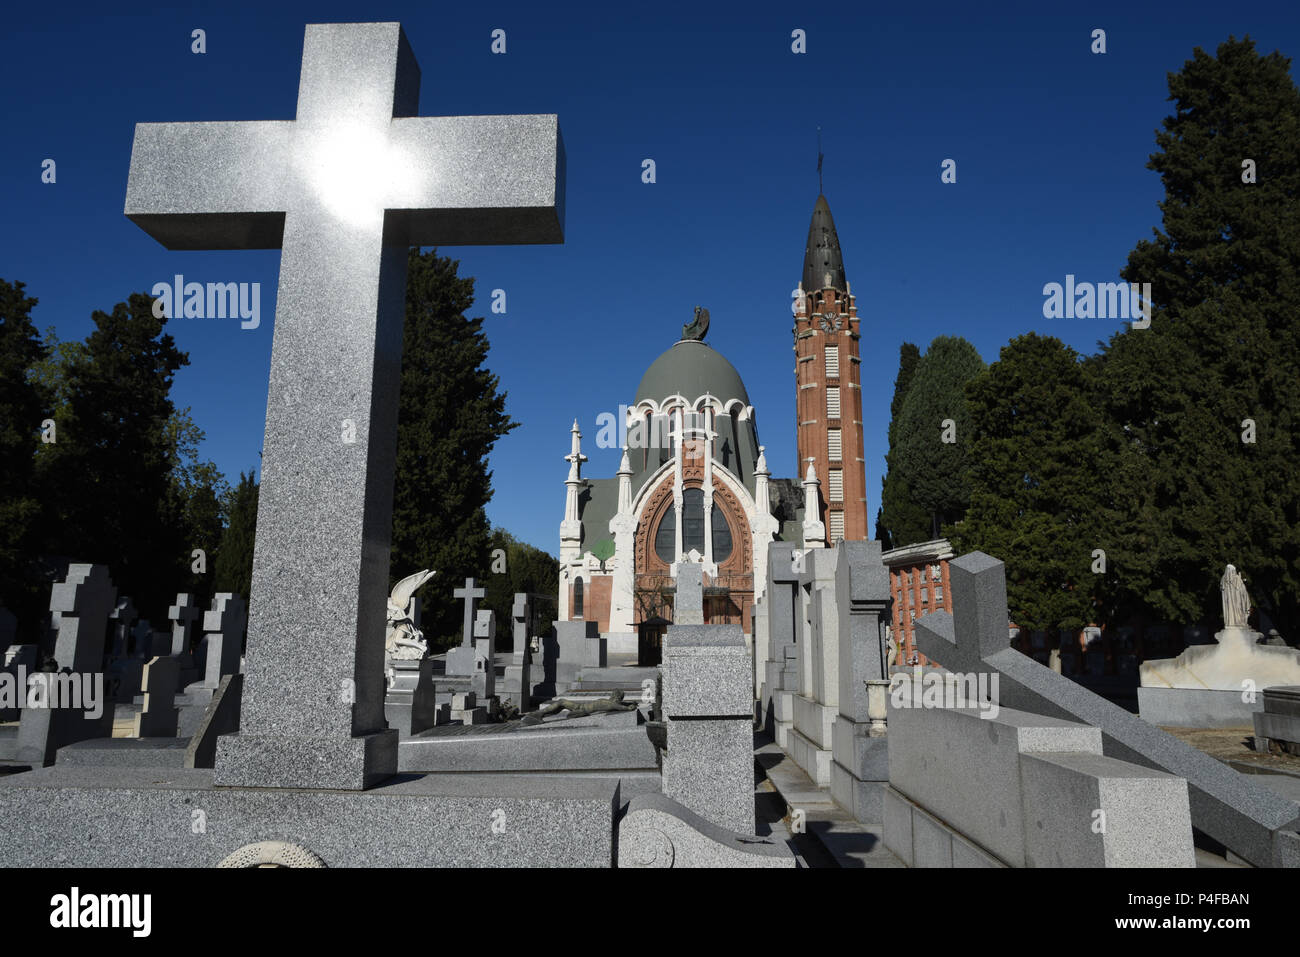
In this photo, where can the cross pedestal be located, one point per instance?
(343, 190)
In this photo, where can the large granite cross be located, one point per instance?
(343, 190)
(1249, 819)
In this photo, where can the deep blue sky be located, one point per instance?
(1051, 143)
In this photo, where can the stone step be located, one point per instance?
(848, 842)
(537, 749)
(124, 753)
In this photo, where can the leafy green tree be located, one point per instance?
(24, 405)
(234, 564)
(929, 453)
(1035, 482)
(450, 416)
(900, 520)
(1220, 363)
(516, 567)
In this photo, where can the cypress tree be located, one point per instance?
(899, 520)
(934, 470)
(450, 416)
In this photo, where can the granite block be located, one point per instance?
(132, 817)
(865, 757)
(863, 799)
(709, 768)
(706, 672)
(1282, 699)
(1088, 810)
(1196, 708)
(897, 833)
(1276, 727)
(965, 769)
(221, 716)
(253, 760)
(124, 753)
(814, 720)
(967, 854)
(539, 749)
(931, 841)
(815, 761)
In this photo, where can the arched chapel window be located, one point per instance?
(693, 529)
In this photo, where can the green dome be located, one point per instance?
(691, 369)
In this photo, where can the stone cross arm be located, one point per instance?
(977, 625)
(356, 155)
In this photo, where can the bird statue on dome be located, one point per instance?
(698, 326)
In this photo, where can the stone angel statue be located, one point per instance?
(698, 326)
(403, 641)
(1236, 603)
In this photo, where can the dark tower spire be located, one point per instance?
(823, 264)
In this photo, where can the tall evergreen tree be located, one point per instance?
(108, 477)
(899, 520)
(1035, 481)
(1219, 364)
(24, 405)
(450, 416)
(933, 469)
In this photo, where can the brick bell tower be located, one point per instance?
(828, 382)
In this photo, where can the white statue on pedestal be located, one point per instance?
(403, 641)
(1237, 660)
(1236, 603)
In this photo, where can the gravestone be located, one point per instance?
(183, 616)
(1277, 726)
(1248, 819)
(81, 604)
(223, 627)
(783, 618)
(708, 705)
(688, 605)
(484, 680)
(159, 716)
(860, 756)
(519, 671)
(123, 617)
(816, 705)
(461, 659)
(344, 225)
(18, 662)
